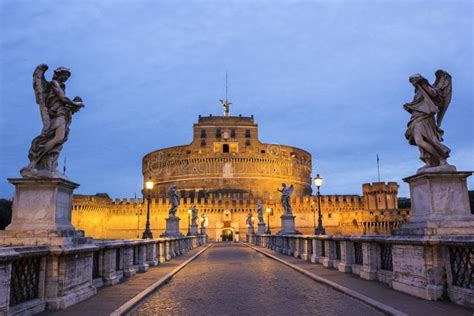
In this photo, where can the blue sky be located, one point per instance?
(326, 76)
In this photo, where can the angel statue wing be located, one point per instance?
(40, 85)
(443, 86)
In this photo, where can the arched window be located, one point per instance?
(225, 148)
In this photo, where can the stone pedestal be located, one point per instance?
(203, 231)
(288, 225)
(261, 228)
(172, 227)
(250, 230)
(194, 230)
(439, 205)
(41, 214)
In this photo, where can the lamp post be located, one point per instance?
(269, 210)
(147, 234)
(189, 222)
(318, 181)
(314, 215)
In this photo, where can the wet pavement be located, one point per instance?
(232, 279)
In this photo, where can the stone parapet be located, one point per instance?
(55, 277)
(422, 266)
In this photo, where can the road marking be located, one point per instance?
(361, 297)
(143, 294)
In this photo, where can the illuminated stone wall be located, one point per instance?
(101, 217)
(226, 156)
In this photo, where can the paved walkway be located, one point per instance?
(376, 290)
(232, 279)
(109, 298)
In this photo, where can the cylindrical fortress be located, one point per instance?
(227, 157)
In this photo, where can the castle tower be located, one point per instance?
(380, 195)
(227, 158)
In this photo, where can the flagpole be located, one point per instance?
(378, 167)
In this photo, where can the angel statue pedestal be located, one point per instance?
(261, 228)
(288, 225)
(194, 230)
(41, 213)
(439, 204)
(172, 227)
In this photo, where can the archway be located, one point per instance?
(227, 234)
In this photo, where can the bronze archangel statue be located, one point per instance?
(56, 113)
(427, 111)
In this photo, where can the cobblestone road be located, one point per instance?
(231, 279)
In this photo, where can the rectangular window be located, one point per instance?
(203, 133)
(232, 133)
(247, 133)
(218, 133)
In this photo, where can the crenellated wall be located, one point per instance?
(101, 217)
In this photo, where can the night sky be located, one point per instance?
(329, 77)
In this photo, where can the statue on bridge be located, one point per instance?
(249, 220)
(260, 212)
(427, 111)
(174, 200)
(285, 198)
(195, 215)
(56, 113)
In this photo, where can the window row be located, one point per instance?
(233, 133)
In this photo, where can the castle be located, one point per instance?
(225, 171)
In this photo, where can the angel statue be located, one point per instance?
(285, 198)
(174, 200)
(226, 104)
(427, 111)
(56, 113)
(260, 212)
(249, 219)
(195, 215)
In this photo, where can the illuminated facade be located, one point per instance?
(225, 171)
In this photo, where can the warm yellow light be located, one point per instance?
(269, 210)
(189, 211)
(149, 185)
(252, 218)
(318, 181)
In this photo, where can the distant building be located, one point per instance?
(224, 171)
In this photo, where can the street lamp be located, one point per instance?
(314, 215)
(269, 210)
(147, 234)
(189, 222)
(318, 181)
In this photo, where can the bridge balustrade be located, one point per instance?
(32, 276)
(446, 264)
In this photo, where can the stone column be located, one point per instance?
(419, 269)
(109, 273)
(68, 277)
(261, 228)
(304, 251)
(151, 257)
(127, 261)
(330, 246)
(142, 265)
(347, 256)
(296, 248)
(370, 252)
(317, 250)
(6, 258)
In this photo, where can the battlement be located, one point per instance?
(226, 120)
(234, 201)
